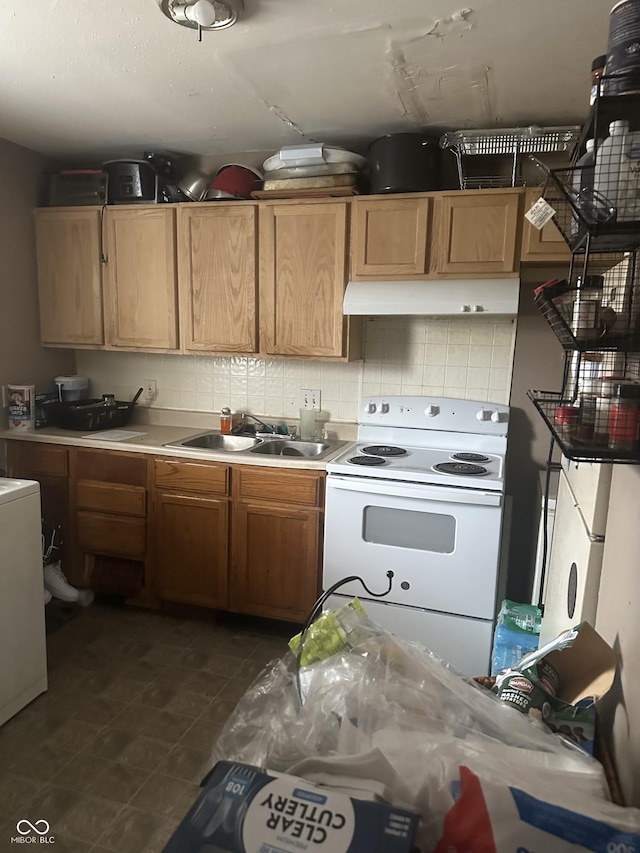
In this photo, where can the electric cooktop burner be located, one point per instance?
(366, 460)
(461, 468)
(384, 450)
(470, 457)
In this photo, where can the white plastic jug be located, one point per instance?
(609, 156)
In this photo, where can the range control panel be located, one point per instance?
(437, 413)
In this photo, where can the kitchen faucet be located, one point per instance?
(268, 427)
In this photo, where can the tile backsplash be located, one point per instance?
(452, 357)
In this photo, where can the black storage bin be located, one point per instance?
(404, 163)
(88, 415)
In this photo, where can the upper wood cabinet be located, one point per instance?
(477, 232)
(68, 245)
(218, 281)
(390, 237)
(303, 269)
(543, 245)
(141, 291)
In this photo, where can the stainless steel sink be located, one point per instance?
(285, 447)
(216, 441)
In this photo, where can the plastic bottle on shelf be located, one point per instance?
(225, 420)
(629, 183)
(606, 177)
(583, 176)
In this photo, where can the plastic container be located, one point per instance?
(225, 420)
(72, 387)
(308, 424)
(566, 420)
(584, 178)
(623, 61)
(606, 179)
(585, 323)
(517, 634)
(624, 418)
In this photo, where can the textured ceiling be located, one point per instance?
(86, 81)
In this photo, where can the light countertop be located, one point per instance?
(155, 436)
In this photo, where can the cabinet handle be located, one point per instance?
(103, 257)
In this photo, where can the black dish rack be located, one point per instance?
(88, 415)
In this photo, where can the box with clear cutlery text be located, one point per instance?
(242, 809)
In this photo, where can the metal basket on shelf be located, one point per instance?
(511, 141)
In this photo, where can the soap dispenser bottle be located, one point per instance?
(225, 420)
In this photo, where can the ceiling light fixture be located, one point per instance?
(203, 14)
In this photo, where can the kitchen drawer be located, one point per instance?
(110, 467)
(98, 533)
(210, 479)
(111, 497)
(34, 460)
(288, 486)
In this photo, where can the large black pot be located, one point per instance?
(404, 162)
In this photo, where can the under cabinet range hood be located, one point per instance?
(443, 297)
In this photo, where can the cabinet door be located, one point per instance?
(217, 277)
(191, 548)
(302, 278)
(477, 232)
(275, 568)
(389, 237)
(68, 245)
(546, 244)
(141, 278)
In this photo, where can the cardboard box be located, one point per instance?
(243, 809)
(561, 681)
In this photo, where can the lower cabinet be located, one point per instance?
(276, 542)
(228, 537)
(190, 532)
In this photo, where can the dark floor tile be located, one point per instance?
(223, 665)
(51, 803)
(163, 834)
(79, 773)
(175, 675)
(186, 763)
(109, 743)
(165, 796)
(41, 763)
(15, 791)
(75, 734)
(161, 654)
(65, 676)
(235, 688)
(143, 671)
(219, 710)
(201, 736)
(205, 683)
(88, 818)
(132, 831)
(123, 690)
(144, 752)
(101, 710)
(118, 782)
(153, 722)
(177, 700)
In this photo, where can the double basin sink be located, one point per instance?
(269, 446)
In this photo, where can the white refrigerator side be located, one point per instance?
(573, 578)
(23, 657)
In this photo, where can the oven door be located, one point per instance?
(443, 544)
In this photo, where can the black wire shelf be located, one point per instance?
(575, 439)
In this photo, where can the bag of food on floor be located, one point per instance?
(560, 682)
(517, 634)
(490, 816)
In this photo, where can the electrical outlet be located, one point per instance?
(150, 389)
(309, 398)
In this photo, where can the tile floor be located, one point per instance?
(112, 755)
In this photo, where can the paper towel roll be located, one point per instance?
(308, 423)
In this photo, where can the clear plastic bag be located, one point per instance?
(398, 698)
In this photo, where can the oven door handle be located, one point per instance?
(396, 489)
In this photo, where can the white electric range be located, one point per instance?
(421, 493)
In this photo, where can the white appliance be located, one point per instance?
(575, 562)
(23, 657)
(548, 503)
(421, 493)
